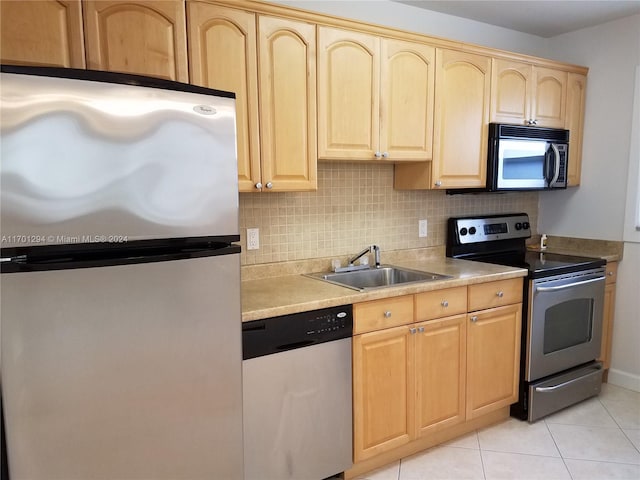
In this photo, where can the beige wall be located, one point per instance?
(356, 206)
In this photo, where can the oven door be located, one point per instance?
(564, 322)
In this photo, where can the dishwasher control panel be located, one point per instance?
(298, 330)
(324, 322)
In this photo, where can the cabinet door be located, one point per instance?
(576, 95)
(493, 359)
(383, 371)
(440, 373)
(45, 32)
(608, 314)
(406, 100)
(511, 91)
(607, 324)
(287, 83)
(461, 119)
(146, 38)
(223, 55)
(549, 97)
(348, 94)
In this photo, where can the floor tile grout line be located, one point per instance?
(558, 448)
(619, 426)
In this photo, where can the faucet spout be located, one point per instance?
(371, 249)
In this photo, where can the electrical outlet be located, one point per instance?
(253, 238)
(422, 228)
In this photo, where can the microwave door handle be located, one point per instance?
(556, 165)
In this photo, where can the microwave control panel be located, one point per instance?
(489, 228)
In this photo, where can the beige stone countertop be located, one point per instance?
(609, 250)
(286, 294)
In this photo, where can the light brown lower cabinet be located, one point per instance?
(417, 380)
(493, 359)
(410, 382)
(608, 315)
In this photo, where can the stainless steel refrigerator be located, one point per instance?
(120, 286)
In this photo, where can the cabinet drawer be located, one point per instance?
(495, 294)
(611, 272)
(441, 303)
(384, 313)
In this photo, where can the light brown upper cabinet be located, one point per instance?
(287, 85)
(146, 38)
(375, 97)
(223, 55)
(276, 130)
(47, 33)
(461, 119)
(576, 94)
(527, 95)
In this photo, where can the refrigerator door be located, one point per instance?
(86, 160)
(127, 371)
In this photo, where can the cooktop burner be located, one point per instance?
(501, 240)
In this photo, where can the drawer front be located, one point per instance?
(441, 303)
(384, 313)
(495, 294)
(611, 272)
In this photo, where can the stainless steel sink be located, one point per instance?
(383, 276)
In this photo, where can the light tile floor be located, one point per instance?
(598, 439)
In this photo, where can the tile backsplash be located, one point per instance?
(356, 206)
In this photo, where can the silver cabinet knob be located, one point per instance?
(385, 155)
(421, 329)
(412, 331)
(438, 183)
(474, 319)
(444, 303)
(387, 314)
(269, 185)
(377, 154)
(259, 186)
(500, 294)
(610, 274)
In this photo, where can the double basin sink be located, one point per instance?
(377, 277)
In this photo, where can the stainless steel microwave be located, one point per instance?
(527, 158)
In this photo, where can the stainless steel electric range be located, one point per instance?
(562, 311)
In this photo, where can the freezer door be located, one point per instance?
(90, 161)
(124, 372)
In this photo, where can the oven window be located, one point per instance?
(523, 160)
(568, 324)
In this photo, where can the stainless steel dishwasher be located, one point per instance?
(297, 395)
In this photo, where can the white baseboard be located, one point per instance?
(624, 379)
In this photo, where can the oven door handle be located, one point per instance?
(595, 368)
(569, 285)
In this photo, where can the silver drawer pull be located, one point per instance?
(474, 319)
(444, 303)
(421, 329)
(387, 314)
(412, 331)
(610, 274)
(500, 294)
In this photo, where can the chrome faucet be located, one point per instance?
(372, 249)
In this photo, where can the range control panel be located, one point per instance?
(489, 228)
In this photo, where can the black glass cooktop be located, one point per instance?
(542, 264)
